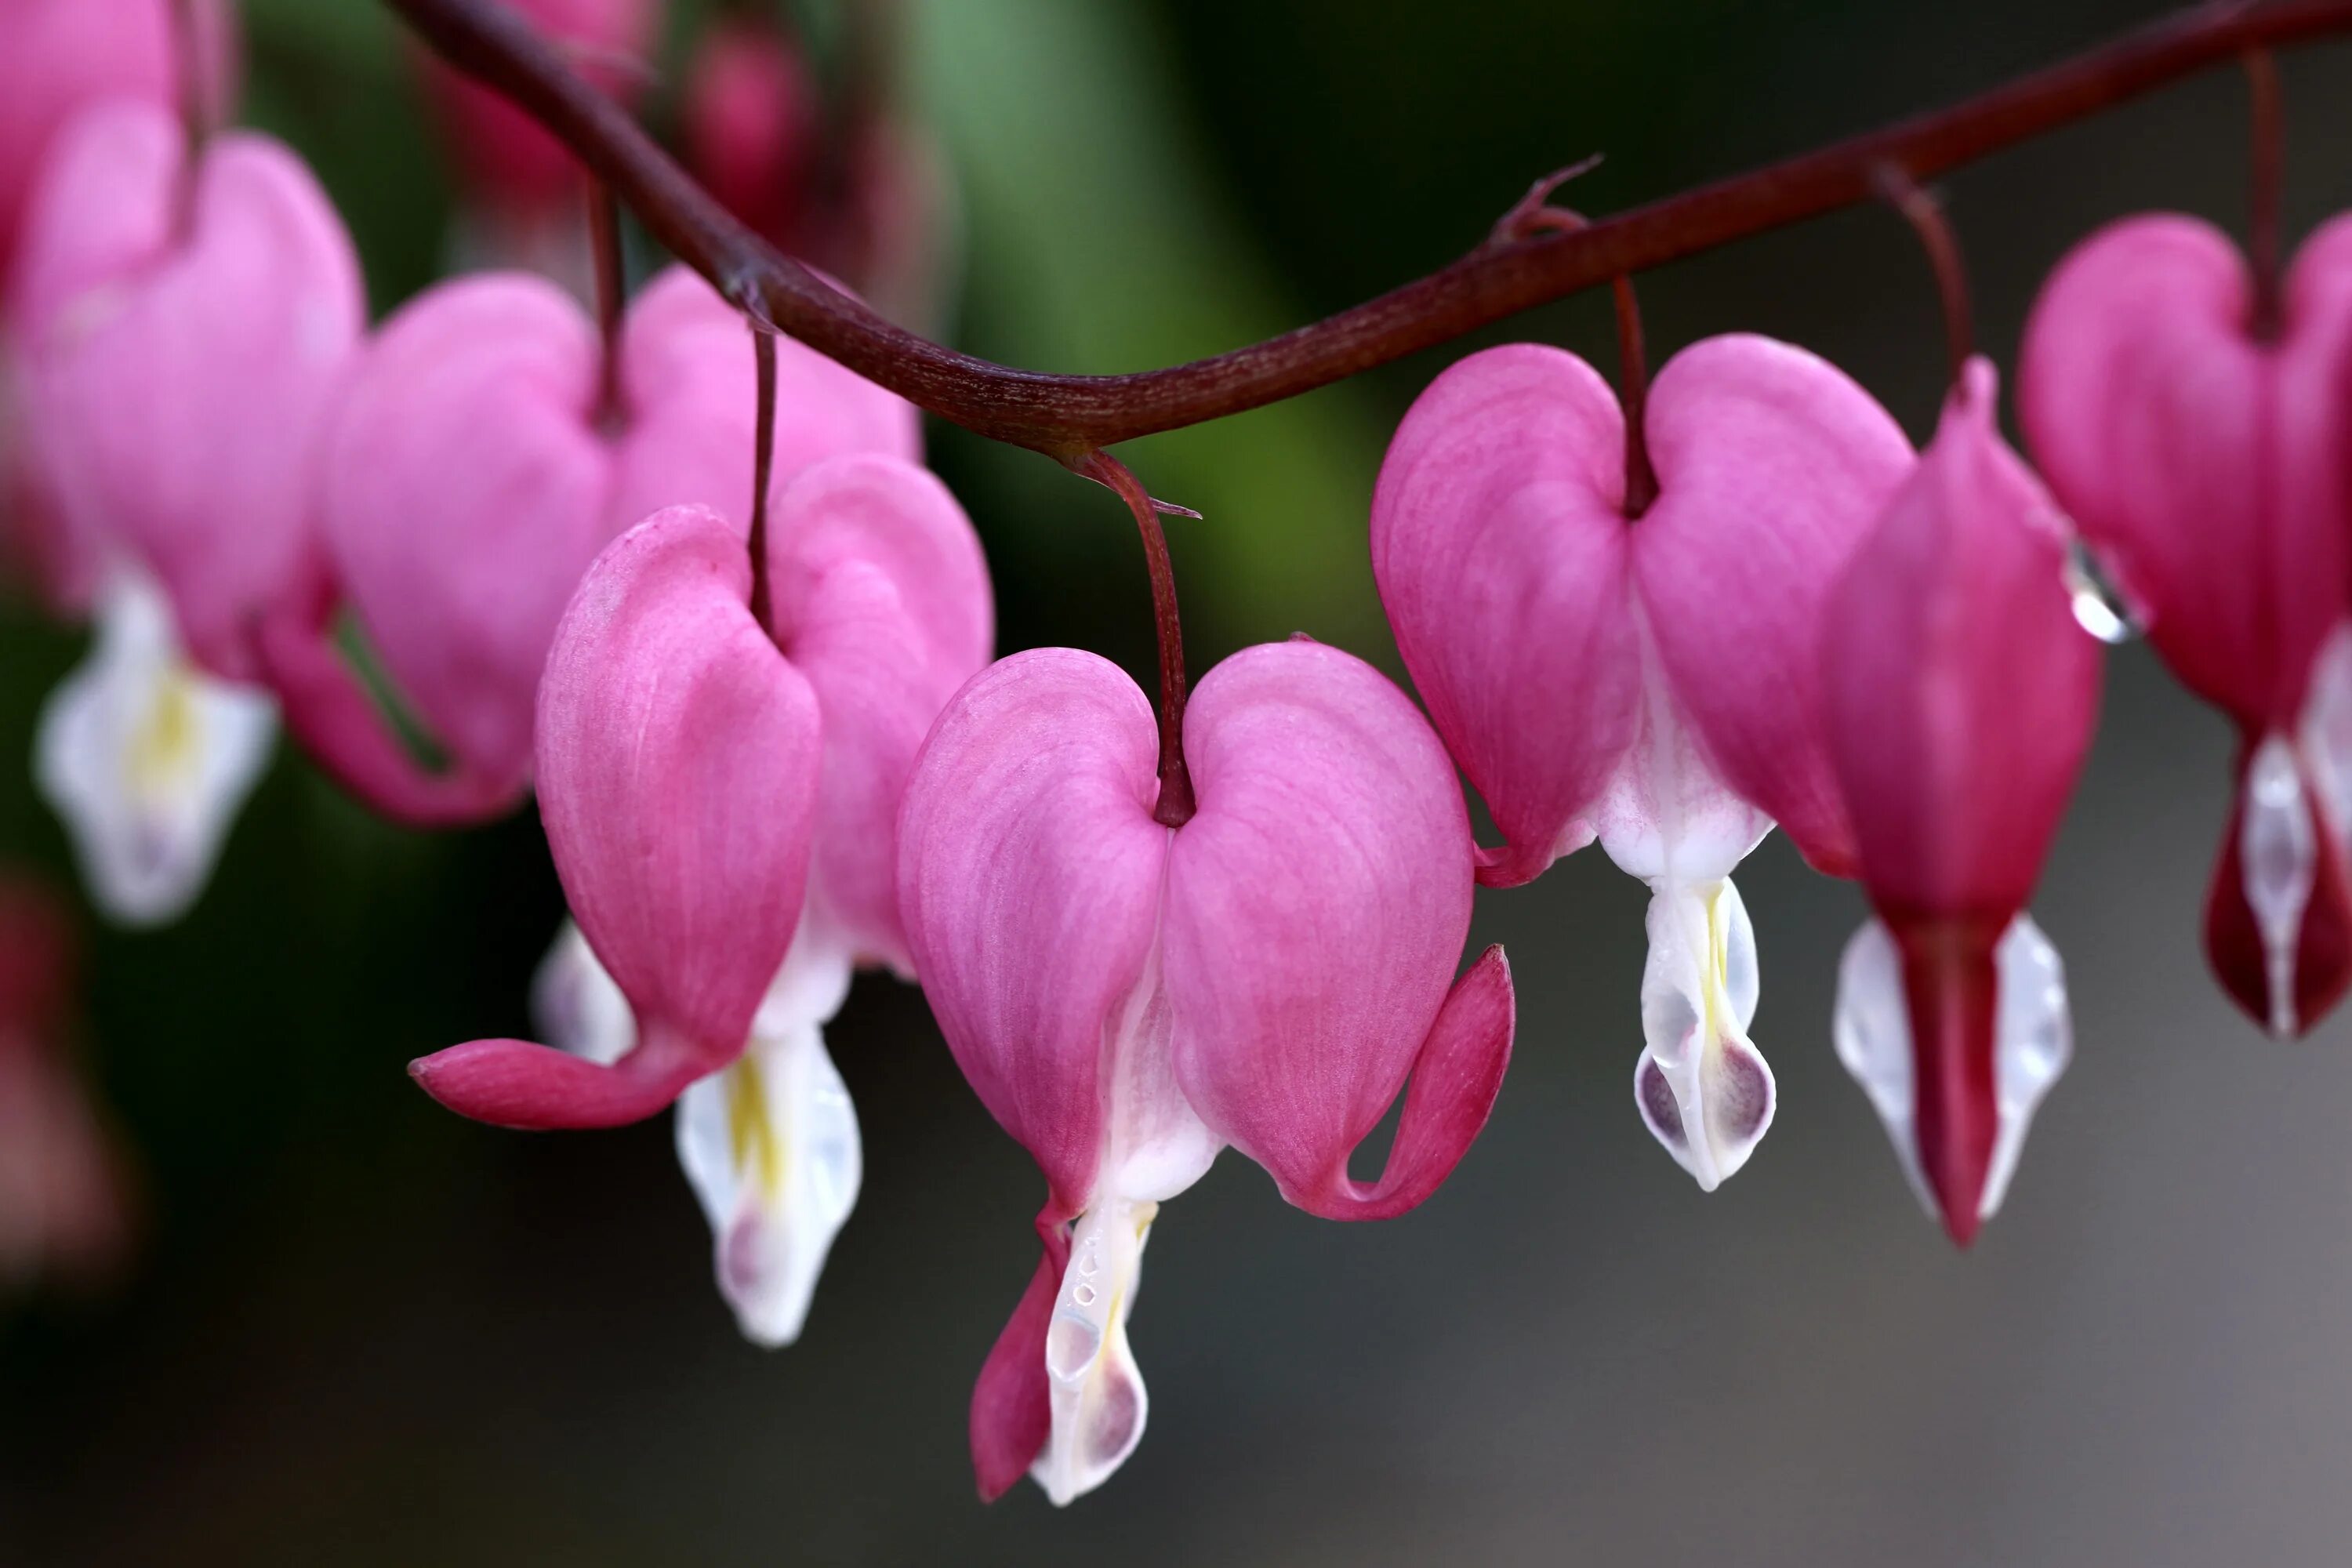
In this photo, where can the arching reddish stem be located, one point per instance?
(1174, 807)
(1072, 415)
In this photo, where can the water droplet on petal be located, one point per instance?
(2100, 607)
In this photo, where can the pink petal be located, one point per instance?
(467, 494)
(182, 393)
(59, 56)
(1772, 466)
(1029, 880)
(2207, 465)
(1499, 543)
(1960, 693)
(1316, 907)
(1011, 1404)
(754, 125)
(881, 599)
(677, 776)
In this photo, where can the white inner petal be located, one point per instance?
(577, 1006)
(769, 1144)
(1154, 1147)
(2325, 731)
(146, 758)
(1701, 1085)
(2278, 859)
(1096, 1392)
(2033, 1042)
(770, 1147)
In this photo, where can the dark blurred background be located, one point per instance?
(360, 1331)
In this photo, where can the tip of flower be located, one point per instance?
(535, 1088)
(1961, 1222)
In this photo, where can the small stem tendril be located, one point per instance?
(2267, 112)
(1175, 805)
(605, 242)
(763, 462)
(1925, 216)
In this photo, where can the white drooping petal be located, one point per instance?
(2278, 859)
(1095, 1392)
(770, 1146)
(147, 758)
(1701, 1085)
(1154, 1146)
(2034, 1038)
(577, 1006)
(2324, 734)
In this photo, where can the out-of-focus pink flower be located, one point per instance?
(473, 476)
(753, 126)
(1649, 681)
(507, 156)
(180, 333)
(1961, 696)
(64, 1204)
(58, 57)
(2204, 461)
(181, 336)
(1126, 999)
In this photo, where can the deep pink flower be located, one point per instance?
(1126, 999)
(2204, 461)
(753, 126)
(716, 792)
(1651, 681)
(1961, 697)
(181, 336)
(58, 57)
(472, 477)
(507, 154)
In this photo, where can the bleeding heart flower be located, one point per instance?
(475, 473)
(181, 334)
(879, 610)
(1960, 700)
(2202, 456)
(58, 57)
(1652, 681)
(1128, 998)
(146, 758)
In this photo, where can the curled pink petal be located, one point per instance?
(1501, 548)
(677, 776)
(1317, 905)
(1772, 466)
(881, 600)
(1011, 1405)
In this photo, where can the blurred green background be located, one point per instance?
(360, 1331)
